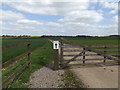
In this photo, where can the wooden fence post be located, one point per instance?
(56, 54)
(29, 56)
(84, 55)
(104, 53)
(61, 54)
(56, 59)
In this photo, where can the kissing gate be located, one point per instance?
(73, 54)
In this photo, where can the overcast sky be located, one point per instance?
(48, 17)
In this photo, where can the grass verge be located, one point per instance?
(70, 80)
(40, 57)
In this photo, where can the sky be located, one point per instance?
(66, 17)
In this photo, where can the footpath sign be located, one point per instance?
(55, 44)
(56, 54)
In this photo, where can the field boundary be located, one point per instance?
(14, 45)
(14, 60)
(100, 52)
(11, 61)
(15, 73)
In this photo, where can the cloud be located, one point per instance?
(89, 29)
(115, 19)
(65, 29)
(103, 1)
(111, 5)
(20, 25)
(86, 16)
(77, 19)
(16, 23)
(29, 22)
(10, 15)
(113, 11)
(48, 8)
(53, 24)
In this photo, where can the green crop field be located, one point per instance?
(38, 42)
(42, 53)
(13, 52)
(96, 41)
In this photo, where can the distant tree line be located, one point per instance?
(56, 36)
(80, 36)
(65, 36)
(114, 36)
(13, 36)
(28, 36)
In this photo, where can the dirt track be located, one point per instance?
(98, 77)
(95, 77)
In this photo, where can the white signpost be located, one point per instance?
(55, 44)
(56, 54)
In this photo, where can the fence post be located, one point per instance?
(61, 54)
(104, 53)
(29, 57)
(84, 55)
(56, 54)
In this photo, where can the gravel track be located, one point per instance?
(46, 78)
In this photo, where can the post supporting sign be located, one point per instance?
(56, 54)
